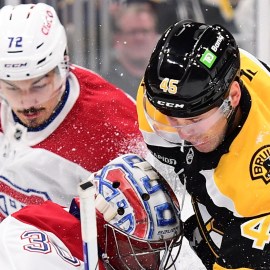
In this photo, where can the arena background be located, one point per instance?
(88, 25)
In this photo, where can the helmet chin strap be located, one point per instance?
(231, 119)
(227, 109)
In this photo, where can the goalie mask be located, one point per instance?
(33, 46)
(138, 216)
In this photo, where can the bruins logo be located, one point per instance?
(260, 164)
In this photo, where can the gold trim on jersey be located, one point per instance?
(206, 226)
(218, 267)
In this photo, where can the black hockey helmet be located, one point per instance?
(191, 69)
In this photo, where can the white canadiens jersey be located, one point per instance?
(95, 123)
(30, 249)
(42, 237)
(34, 175)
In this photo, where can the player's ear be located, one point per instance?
(235, 93)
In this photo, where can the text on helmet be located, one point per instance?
(217, 43)
(48, 23)
(169, 85)
(170, 105)
(18, 65)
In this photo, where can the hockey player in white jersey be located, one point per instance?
(138, 216)
(56, 117)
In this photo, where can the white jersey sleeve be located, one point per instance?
(25, 247)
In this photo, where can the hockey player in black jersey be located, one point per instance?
(204, 108)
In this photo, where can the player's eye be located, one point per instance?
(12, 88)
(39, 86)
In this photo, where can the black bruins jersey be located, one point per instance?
(230, 186)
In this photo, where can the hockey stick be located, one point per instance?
(88, 224)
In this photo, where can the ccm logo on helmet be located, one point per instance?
(19, 65)
(48, 23)
(170, 105)
(217, 43)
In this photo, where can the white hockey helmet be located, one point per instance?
(33, 42)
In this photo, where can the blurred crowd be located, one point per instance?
(116, 37)
(136, 25)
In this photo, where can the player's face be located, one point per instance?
(34, 100)
(205, 132)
